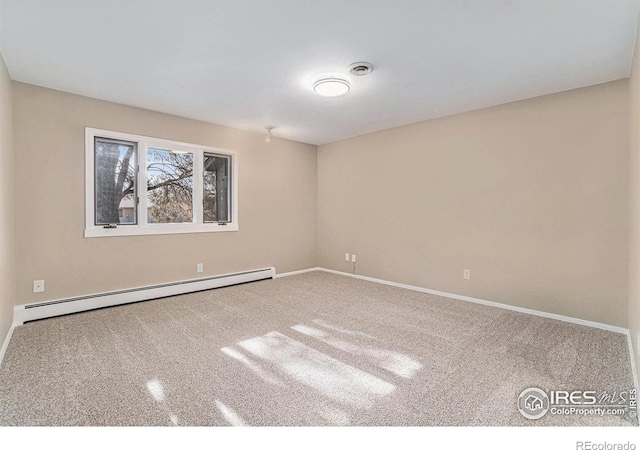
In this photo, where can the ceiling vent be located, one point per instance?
(361, 68)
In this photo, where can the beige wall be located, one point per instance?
(634, 201)
(6, 204)
(532, 197)
(277, 202)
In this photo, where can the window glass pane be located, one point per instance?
(115, 190)
(169, 186)
(217, 198)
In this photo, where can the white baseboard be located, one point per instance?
(5, 344)
(535, 312)
(297, 272)
(35, 311)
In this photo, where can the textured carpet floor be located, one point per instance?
(311, 349)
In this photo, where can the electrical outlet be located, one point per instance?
(353, 258)
(38, 286)
(466, 274)
(200, 267)
(346, 257)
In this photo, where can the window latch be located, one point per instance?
(222, 223)
(111, 225)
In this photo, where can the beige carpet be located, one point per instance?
(311, 349)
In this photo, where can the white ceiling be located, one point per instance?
(251, 63)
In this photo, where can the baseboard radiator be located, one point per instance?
(36, 311)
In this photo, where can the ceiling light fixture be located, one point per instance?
(268, 138)
(331, 87)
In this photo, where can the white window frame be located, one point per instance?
(142, 227)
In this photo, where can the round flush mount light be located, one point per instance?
(361, 68)
(331, 87)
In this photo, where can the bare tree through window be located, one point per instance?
(169, 186)
(115, 180)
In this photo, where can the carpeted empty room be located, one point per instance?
(320, 216)
(309, 349)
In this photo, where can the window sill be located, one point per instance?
(136, 230)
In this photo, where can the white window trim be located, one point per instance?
(142, 228)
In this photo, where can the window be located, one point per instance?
(169, 186)
(141, 185)
(115, 169)
(216, 188)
